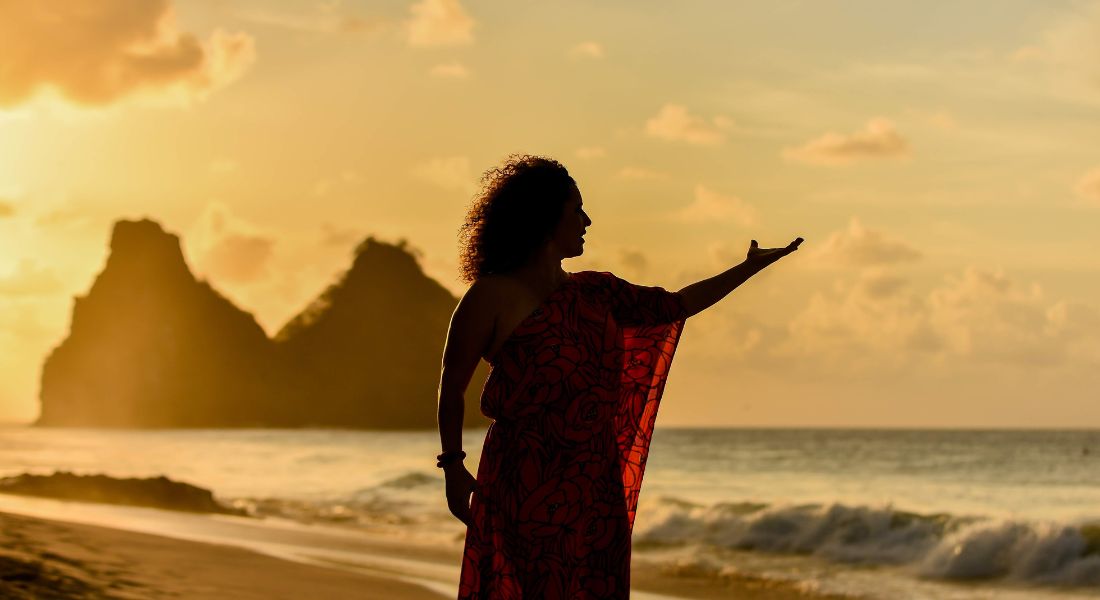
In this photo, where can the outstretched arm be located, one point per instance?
(703, 294)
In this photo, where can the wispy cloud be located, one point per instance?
(1088, 186)
(450, 70)
(97, 53)
(674, 122)
(325, 19)
(587, 50)
(231, 249)
(639, 173)
(862, 247)
(30, 280)
(940, 119)
(342, 181)
(590, 152)
(634, 262)
(439, 23)
(974, 317)
(710, 206)
(452, 173)
(878, 139)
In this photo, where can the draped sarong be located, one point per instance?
(573, 394)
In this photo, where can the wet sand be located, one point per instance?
(53, 559)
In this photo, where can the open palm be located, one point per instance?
(762, 257)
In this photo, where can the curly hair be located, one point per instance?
(517, 210)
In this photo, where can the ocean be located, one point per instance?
(882, 514)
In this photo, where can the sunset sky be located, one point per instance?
(941, 160)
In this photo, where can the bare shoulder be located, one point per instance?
(498, 291)
(488, 287)
(487, 297)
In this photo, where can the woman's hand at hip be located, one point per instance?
(460, 484)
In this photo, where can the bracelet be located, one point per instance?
(449, 457)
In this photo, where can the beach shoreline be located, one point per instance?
(44, 558)
(58, 558)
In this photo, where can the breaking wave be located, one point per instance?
(934, 546)
(941, 546)
(410, 499)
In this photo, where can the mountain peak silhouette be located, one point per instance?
(151, 346)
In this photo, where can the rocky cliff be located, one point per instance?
(151, 346)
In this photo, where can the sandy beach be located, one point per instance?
(42, 558)
(47, 558)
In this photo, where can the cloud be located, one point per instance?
(974, 317)
(239, 257)
(673, 122)
(6, 209)
(344, 180)
(63, 216)
(338, 236)
(29, 280)
(709, 206)
(940, 119)
(451, 70)
(639, 173)
(862, 247)
(230, 249)
(357, 24)
(1027, 53)
(1066, 51)
(96, 53)
(590, 152)
(452, 173)
(587, 50)
(724, 255)
(439, 23)
(325, 19)
(878, 139)
(634, 262)
(1088, 186)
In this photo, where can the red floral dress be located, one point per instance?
(573, 394)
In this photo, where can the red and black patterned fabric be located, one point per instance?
(573, 394)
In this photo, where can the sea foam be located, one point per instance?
(937, 546)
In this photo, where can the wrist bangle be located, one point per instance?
(449, 457)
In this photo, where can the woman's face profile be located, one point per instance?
(568, 235)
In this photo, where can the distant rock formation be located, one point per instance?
(157, 492)
(151, 346)
(373, 339)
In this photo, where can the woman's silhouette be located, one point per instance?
(579, 363)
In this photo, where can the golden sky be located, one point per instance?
(942, 166)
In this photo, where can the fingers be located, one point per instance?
(753, 245)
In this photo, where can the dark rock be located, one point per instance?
(151, 346)
(366, 353)
(156, 492)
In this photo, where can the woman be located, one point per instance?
(579, 363)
